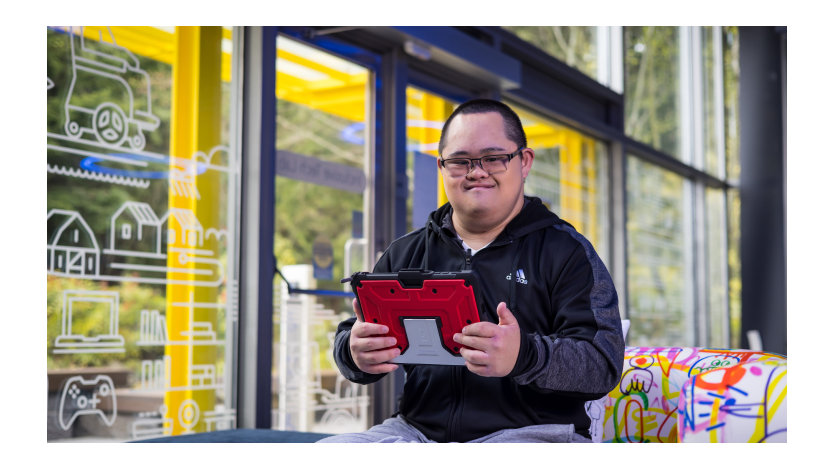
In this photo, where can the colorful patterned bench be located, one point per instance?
(695, 395)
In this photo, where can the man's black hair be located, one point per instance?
(512, 123)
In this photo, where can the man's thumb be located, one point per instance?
(505, 316)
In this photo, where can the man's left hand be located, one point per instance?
(491, 350)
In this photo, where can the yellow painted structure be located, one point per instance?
(195, 127)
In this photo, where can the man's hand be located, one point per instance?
(491, 350)
(369, 351)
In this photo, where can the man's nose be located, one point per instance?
(476, 164)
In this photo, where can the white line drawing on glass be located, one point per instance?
(152, 424)
(220, 419)
(347, 406)
(110, 123)
(81, 335)
(152, 328)
(138, 159)
(49, 83)
(184, 182)
(80, 397)
(135, 232)
(71, 247)
(210, 160)
(202, 375)
(187, 230)
(188, 415)
(199, 333)
(217, 234)
(301, 390)
(233, 300)
(96, 176)
(155, 374)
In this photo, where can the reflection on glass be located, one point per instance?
(717, 269)
(652, 86)
(659, 267)
(140, 250)
(711, 106)
(569, 175)
(734, 265)
(731, 103)
(321, 149)
(425, 115)
(573, 45)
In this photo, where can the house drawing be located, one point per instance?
(71, 245)
(135, 228)
(182, 228)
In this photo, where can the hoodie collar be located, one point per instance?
(533, 216)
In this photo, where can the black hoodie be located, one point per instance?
(564, 300)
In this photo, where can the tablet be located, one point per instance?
(422, 309)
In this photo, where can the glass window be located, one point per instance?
(425, 115)
(712, 105)
(716, 213)
(573, 45)
(569, 175)
(731, 103)
(139, 341)
(659, 251)
(652, 87)
(322, 149)
(734, 265)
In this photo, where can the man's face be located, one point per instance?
(489, 199)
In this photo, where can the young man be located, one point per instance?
(551, 338)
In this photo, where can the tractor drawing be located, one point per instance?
(109, 96)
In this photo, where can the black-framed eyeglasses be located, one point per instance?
(491, 164)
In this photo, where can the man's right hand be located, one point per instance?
(370, 351)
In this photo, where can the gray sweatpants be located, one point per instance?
(396, 429)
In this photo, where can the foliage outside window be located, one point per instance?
(717, 281)
(711, 108)
(321, 144)
(137, 321)
(659, 269)
(573, 45)
(652, 87)
(733, 165)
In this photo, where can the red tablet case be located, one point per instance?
(391, 298)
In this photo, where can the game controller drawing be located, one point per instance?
(87, 397)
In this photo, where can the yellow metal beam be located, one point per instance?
(195, 127)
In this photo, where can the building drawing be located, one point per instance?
(71, 245)
(134, 227)
(182, 228)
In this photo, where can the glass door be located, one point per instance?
(321, 226)
(141, 234)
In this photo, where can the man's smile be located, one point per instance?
(478, 186)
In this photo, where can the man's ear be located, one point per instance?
(527, 156)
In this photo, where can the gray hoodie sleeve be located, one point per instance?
(585, 356)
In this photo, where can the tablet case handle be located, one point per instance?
(412, 278)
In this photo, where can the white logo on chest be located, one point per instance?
(519, 277)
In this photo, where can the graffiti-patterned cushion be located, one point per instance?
(743, 403)
(644, 407)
